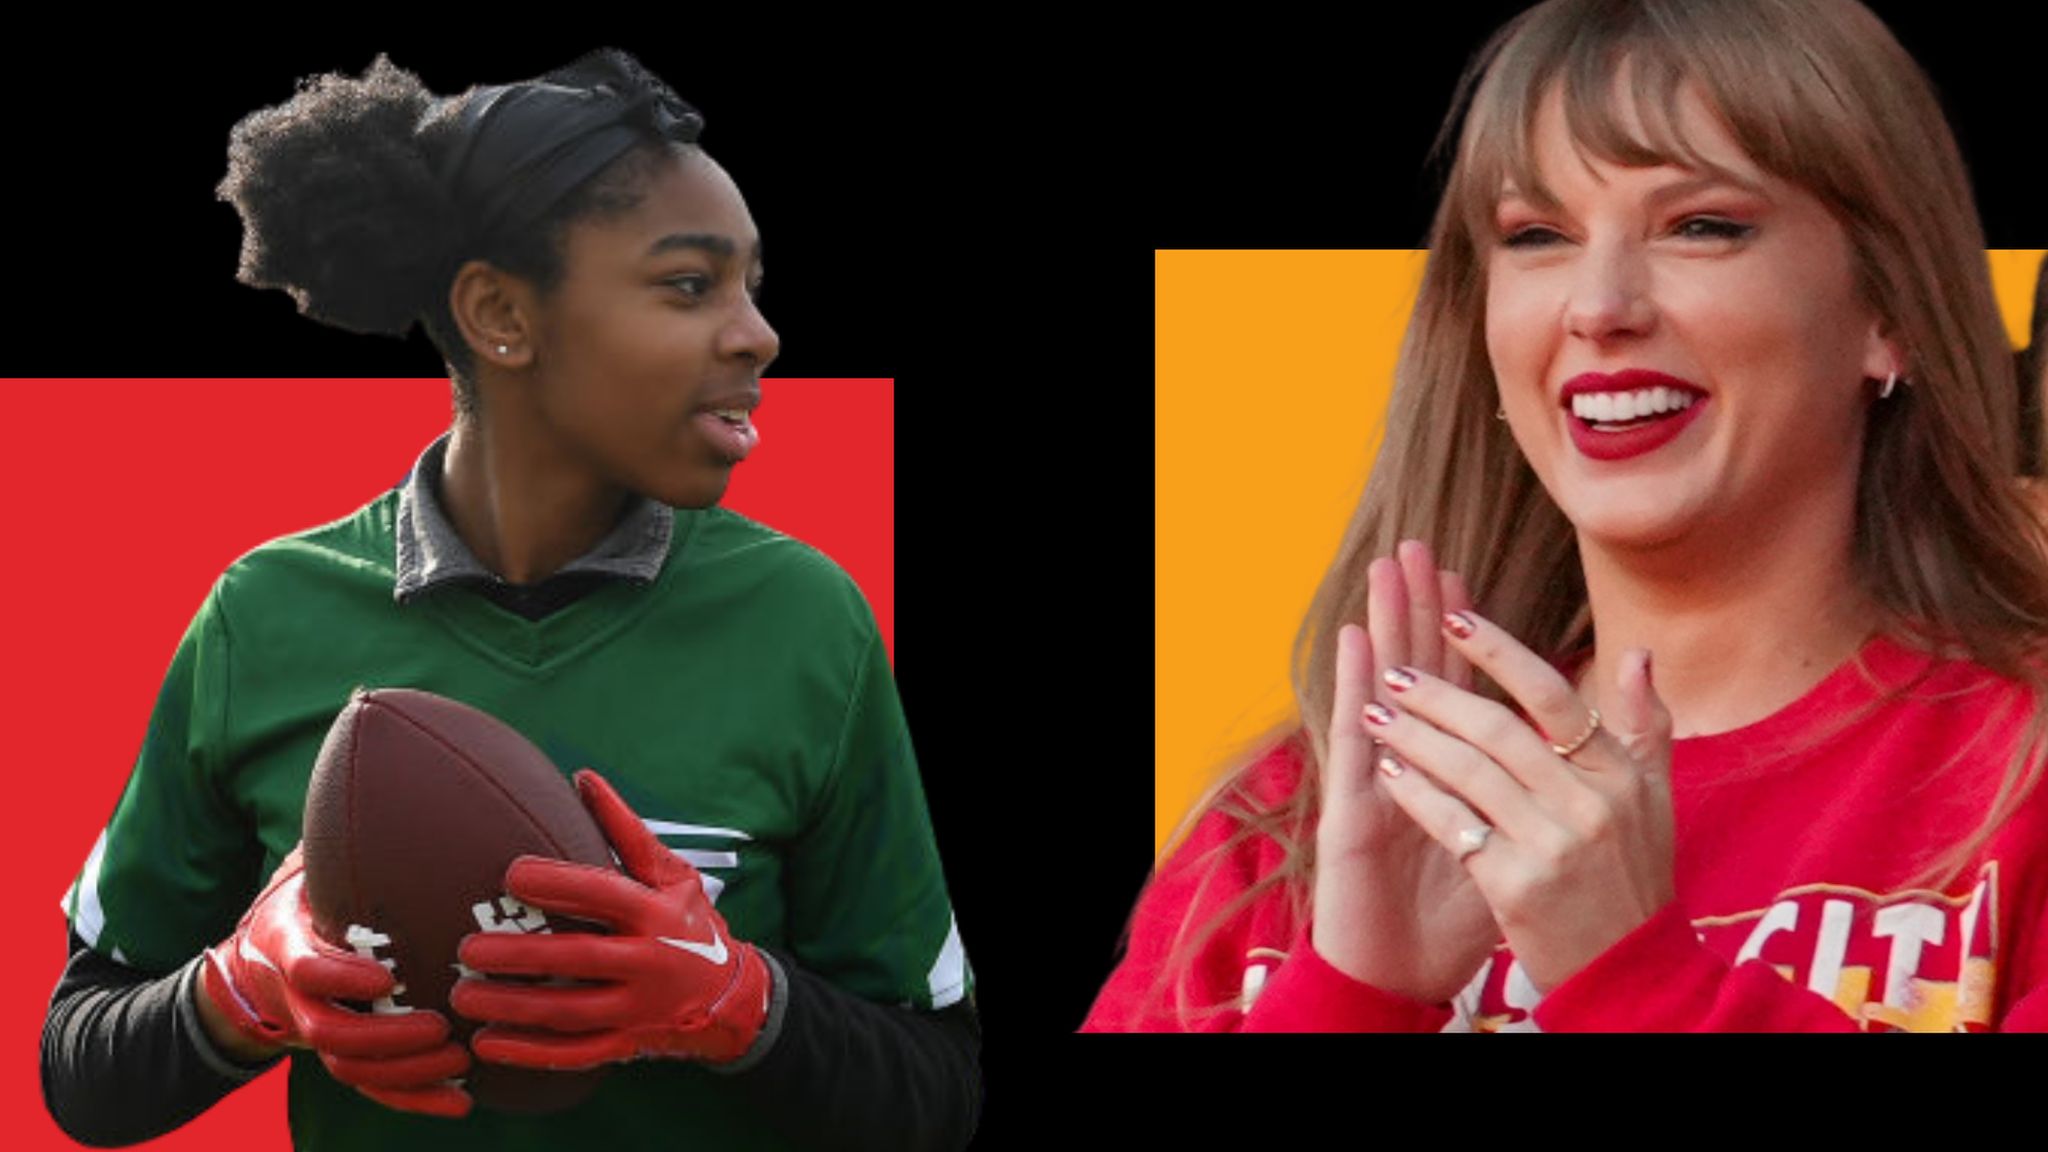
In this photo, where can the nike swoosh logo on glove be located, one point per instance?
(714, 951)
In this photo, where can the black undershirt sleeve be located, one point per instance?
(844, 1072)
(121, 1063)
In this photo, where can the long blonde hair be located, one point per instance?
(1818, 93)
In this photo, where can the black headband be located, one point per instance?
(520, 148)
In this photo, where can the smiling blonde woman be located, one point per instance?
(1706, 377)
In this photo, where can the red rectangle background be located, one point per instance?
(125, 499)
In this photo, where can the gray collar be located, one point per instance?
(431, 554)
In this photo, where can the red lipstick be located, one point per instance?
(1634, 437)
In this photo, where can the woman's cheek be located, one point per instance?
(1514, 355)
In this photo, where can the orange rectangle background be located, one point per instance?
(1273, 372)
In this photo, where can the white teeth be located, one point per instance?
(1622, 407)
(730, 415)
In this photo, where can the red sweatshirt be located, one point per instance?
(1796, 839)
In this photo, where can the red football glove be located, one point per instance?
(671, 982)
(276, 982)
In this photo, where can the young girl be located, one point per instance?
(557, 559)
(1706, 406)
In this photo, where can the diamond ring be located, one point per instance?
(1473, 839)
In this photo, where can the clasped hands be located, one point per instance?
(1449, 821)
(668, 981)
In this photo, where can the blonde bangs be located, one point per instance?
(1619, 73)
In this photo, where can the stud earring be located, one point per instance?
(503, 350)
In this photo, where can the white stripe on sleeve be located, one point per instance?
(948, 977)
(89, 918)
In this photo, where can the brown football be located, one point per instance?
(416, 806)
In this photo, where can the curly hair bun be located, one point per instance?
(339, 205)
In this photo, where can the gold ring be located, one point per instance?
(1592, 726)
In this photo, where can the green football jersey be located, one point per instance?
(742, 703)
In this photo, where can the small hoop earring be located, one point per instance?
(1885, 392)
(1500, 413)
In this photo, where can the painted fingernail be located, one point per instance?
(1379, 714)
(1389, 766)
(1399, 679)
(1460, 625)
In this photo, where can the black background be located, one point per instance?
(973, 212)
